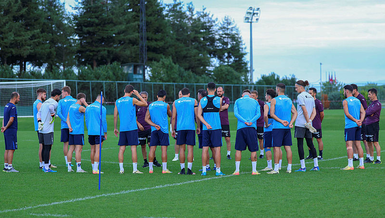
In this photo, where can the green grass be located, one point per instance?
(328, 193)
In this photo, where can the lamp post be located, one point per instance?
(320, 80)
(252, 16)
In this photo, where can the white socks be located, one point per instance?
(289, 167)
(79, 166)
(164, 165)
(361, 161)
(135, 166)
(65, 158)
(262, 152)
(350, 162)
(269, 163)
(280, 163)
(218, 169)
(121, 166)
(378, 158)
(189, 165)
(237, 163)
(355, 156)
(276, 167)
(315, 162)
(204, 169)
(228, 152)
(182, 165)
(96, 166)
(177, 156)
(302, 163)
(253, 166)
(151, 165)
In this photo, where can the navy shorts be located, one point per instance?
(246, 137)
(128, 138)
(65, 135)
(144, 136)
(40, 137)
(281, 137)
(267, 139)
(95, 139)
(372, 132)
(200, 136)
(212, 138)
(260, 131)
(318, 134)
(353, 134)
(159, 138)
(225, 130)
(363, 132)
(76, 139)
(10, 139)
(186, 137)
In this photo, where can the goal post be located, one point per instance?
(27, 91)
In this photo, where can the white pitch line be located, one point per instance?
(48, 214)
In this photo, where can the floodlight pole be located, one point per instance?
(320, 80)
(252, 13)
(251, 52)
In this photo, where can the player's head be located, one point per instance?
(144, 95)
(129, 89)
(313, 92)
(254, 94)
(41, 93)
(180, 94)
(200, 91)
(211, 87)
(348, 91)
(80, 96)
(355, 89)
(15, 97)
(185, 92)
(220, 91)
(65, 91)
(280, 88)
(162, 94)
(372, 94)
(100, 100)
(55, 94)
(300, 85)
(270, 94)
(246, 92)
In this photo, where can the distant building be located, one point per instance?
(135, 71)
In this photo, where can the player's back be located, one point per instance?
(354, 107)
(304, 99)
(35, 110)
(246, 107)
(270, 120)
(185, 113)
(158, 113)
(283, 106)
(45, 115)
(211, 105)
(127, 113)
(10, 111)
(63, 108)
(76, 119)
(93, 118)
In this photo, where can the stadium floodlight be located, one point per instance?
(252, 16)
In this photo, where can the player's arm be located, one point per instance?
(272, 112)
(197, 120)
(237, 115)
(104, 120)
(169, 114)
(257, 114)
(147, 118)
(224, 106)
(362, 115)
(82, 109)
(305, 114)
(346, 111)
(173, 117)
(294, 116)
(200, 117)
(266, 115)
(69, 122)
(313, 114)
(139, 125)
(83, 101)
(10, 121)
(141, 102)
(322, 115)
(59, 111)
(116, 113)
(38, 106)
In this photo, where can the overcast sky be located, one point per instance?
(294, 37)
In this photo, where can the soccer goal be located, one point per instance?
(27, 91)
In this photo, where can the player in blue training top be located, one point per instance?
(9, 128)
(62, 111)
(247, 111)
(93, 126)
(210, 106)
(281, 109)
(354, 116)
(125, 109)
(41, 96)
(157, 116)
(75, 122)
(184, 110)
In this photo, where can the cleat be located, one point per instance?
(236, 173)
(204, 174)
(320, 158)
(49, 171)
(308, 157)
(81, 171)
(182, 172)
(12, 170)
(355, 159)
(315, 169)
(145, 164)
(273, 172)
(261, 156)
(207, 169)
(189, 172)
(121, 172)
(220, 174)
(70, 170)
(5, 169)
(228, 157)
(175, 159)
(39, 168)
(348, 168)
(151, 171)
(96, 172)
(267, 169)
(361, 167)
(367, 160)
(137, 172)
(288, 171)
(166, 171)
(377, 162)
(52, 166)
(214, 168)
(301, 170)
(255, 173)
(156, 163)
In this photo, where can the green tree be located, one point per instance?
(273, 79)
(224, 74)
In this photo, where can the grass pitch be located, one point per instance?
(328, 193)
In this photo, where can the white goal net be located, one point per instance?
(27, 91)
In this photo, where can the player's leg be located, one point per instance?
(378, 150)
(320, 147)
(371, 152)
(228, 146)
(40, 150)
(310, 145)
(262, 150)
(176, 148)
(151, 156)
(78, 158)
(217, 159)
(164, 158)
(190, 158)
(134, 157)
(238, 157)
(69, 157)
(360, 153)
(182, 158)
(213, 157)
(144, 154)
(122, 149)
(205, 157)
(240, 145)
(5, 160)
(289, 156)
(92, 156)
(97, 156)
(10, 157)
(301, 155)
(349, 150)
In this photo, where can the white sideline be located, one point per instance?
(48, 214)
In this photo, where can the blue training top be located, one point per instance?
(246, 109)
(211, 111)
(354, 106)
(270, 120)
(158, 113)
(10, 111)
(62, 110)
(127, 114)
(76, 119)
(185, 113)
(93, 119)
(35, 113)
(283, 106)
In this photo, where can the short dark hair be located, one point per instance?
(128, 89)
(200, 91)
(204, 93)
(56, 92)
(281, 86)
(14, 95)
(211, 86)
(314, 90)
(254, 92)
(354, 86)
(185, 91)
(40, 90)
(162, 93)
(66, 89)
(271, 93)
(349, 87)
(80, 96)
(373, 91)
(302, 83)
(246, 90)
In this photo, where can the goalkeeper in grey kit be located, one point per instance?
(46, 118)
